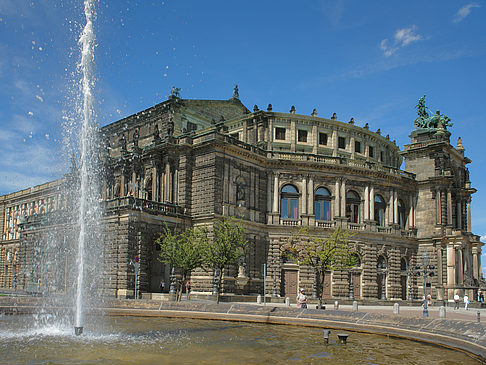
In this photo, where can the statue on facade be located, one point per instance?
(123, 142)
(136, 136)
(236, 94)
(175, 92)
(156, 133)
(424, 121)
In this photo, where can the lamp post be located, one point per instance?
(425, 269)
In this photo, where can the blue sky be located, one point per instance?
(371, 60)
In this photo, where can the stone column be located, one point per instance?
(270, 133)
(310, 193)
(459, 215)
(451, 270)
(167, 182)
(245, 132)
(439, 267)
(304, 196)
(469, 214)
(334, 142)
(353, 150)
(275, 193)
(449, 207)
(460, 267)
(476, 264)
(337, 200)
(175, 198)
(315, 139)
(372, 203)
(410, 214)
(437, 207)
(343, 198)
(154, 183)
(395, 207)
(255, 133)
(367, 203)
(269, 192)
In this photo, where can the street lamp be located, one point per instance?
(425, 269)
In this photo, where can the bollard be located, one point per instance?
(479, 317)
(287, 302)
(442, 312)
(343, 337)
(326, 335)
(259, 299)
(396, 308)
(336, 305)
(355, 306)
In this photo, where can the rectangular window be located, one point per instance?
(381, 156)
(283, 212)
(357, 146)
(302, 135)
(235, 135)
(341, 142)
(372, 151)
(191, 127)
(323, 139)
(280, 133)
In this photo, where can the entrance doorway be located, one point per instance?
(403, 282)
(356, 285)
(289, 283)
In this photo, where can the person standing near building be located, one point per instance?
(466, 301)
(301, 299)
(188, 290)
(456, 301)
(162, 286)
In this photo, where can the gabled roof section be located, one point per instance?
(215, 109)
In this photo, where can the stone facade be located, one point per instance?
(189, 163)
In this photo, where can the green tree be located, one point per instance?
(182, 250)
(226, 248)
(322, 253)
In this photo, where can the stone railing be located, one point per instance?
(290, 222)
(330, 160)
(326, 224)
(129, 202)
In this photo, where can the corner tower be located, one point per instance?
(443, 205)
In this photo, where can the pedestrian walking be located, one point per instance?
(162, 286)
(301, 299)
(456, 301)
(466, 302)
(188, 290)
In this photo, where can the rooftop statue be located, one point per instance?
(424, 121)
(236, 93)
(175, 91)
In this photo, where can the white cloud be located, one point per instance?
(483, 238)
(464, 12)
(402, 37)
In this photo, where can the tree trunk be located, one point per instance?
(220, 277)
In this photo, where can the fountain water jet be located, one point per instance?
(87, 154)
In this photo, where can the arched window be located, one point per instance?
(381, 263)
(401, 214)
(289, 199)
(356, 259)
(379, 210)
(322, 204)
(352, 206)
(403, 264)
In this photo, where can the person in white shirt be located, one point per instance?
(466, 301)
(301, 299)
(456, 301)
